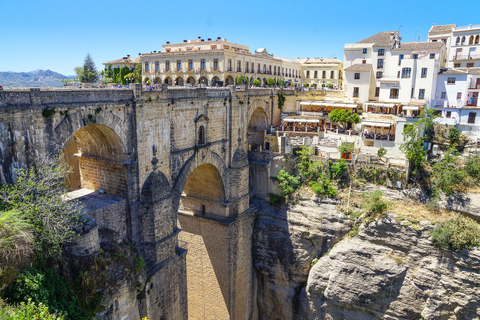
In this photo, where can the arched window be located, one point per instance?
(201, 135)
(477, 38)
(458, 41)
(463, 40)
(470, 41)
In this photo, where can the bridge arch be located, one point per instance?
(257, 125)
(191, 80)
(201, 194)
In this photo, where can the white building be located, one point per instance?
(465, 47)
(457, 99)
(393, 80)
(214, 62)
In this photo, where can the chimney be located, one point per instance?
(209, 39)
(128, 56)
(392, 35)
(203, 40)
(154, 51)
(184, 40)
(168, 42)
(139, 53)
(219, 38)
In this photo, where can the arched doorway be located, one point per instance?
(190, 81)
(216, 81)
(264, 82)
(229, 81)
(203, 81)
(257, 125)
(179, 81)
(168, 81)
(202, 202)
(157, 80)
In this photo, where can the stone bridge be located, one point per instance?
(174, 170)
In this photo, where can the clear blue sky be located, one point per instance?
(57, 35)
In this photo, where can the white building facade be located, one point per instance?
(214, 62)
(457, 99)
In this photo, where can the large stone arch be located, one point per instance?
(69, 125)
(215, 81)
(203, 80)
(201, 157)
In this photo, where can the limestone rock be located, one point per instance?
(391, 271)
(286, 241)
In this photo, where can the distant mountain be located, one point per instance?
(37, 78)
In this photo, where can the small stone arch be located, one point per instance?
(179, 81)
(157, 80)
(257, 124)
(215, 81)
(463, 40)
(229, 81)
(457, 42)
(167, 81)
(191, 80)
(203, 80)
(470, 41)
(477, 38)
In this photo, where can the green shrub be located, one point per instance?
(289, 183)
(354, 231)
(472, 165)
(16, 245)
(454, 135)
(27, 311)
(46, 287)
(374, 204)
(381, 152)
(449, 175)
(256, 82)
(338, 168)
(346, 147)
(274, 199)
(323, 187)
(457, 233)
(139, 263)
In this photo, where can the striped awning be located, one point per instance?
(377, 124)
(415, 108)
(298, 119)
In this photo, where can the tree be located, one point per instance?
(281, 82)
(138, 71)
(343, 116)
(413, 146)
(79, 74)
(89, 70)
(241, 79)
(37, 195)
(381, 152)
(256, 82)
(270, 82)
(329, 85)
(454, 135)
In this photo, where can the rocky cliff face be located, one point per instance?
(390, 270)
(286, 242)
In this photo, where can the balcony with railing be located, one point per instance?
(462, 57)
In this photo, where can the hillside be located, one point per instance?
(37, 78)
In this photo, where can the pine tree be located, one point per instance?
(89, 70)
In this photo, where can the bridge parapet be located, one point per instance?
(58, 96)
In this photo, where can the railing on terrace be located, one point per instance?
(475, 26)
(378, 116)
(467, 57)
